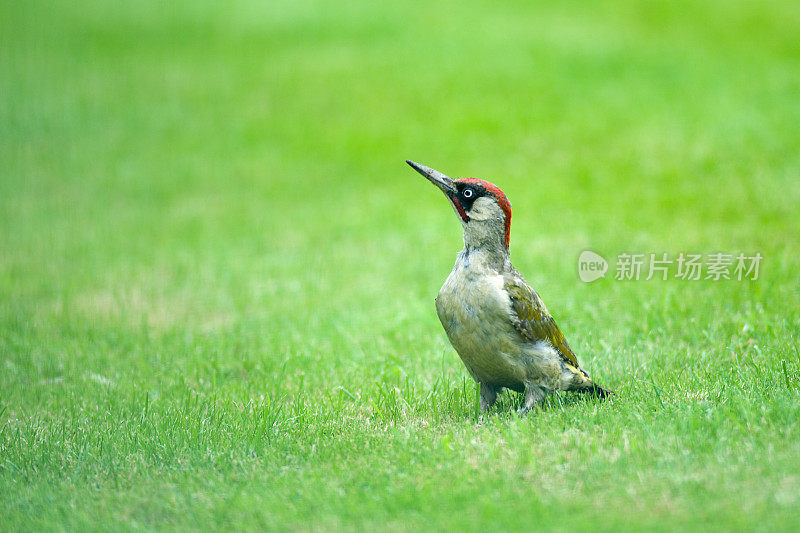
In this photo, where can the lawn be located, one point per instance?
(217, 273)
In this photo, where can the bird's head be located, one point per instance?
(483, 209)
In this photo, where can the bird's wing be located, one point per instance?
(531, 319)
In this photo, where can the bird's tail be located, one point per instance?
(582, 383)
(590, 387)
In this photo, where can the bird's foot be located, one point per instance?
(488, 397)
(534, 395)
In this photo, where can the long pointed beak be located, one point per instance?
(437, 178)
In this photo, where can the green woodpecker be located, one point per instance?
(497, 323)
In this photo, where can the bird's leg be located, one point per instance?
(488, 396)
(534, 394)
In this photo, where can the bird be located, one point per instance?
(497, 323)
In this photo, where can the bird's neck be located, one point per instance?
(486, 237)
(485, 258)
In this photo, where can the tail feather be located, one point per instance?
(596, 390)
(582, 383)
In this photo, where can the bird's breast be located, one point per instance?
(474, 310)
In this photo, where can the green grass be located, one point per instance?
(217, 273)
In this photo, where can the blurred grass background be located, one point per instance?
(217, 272)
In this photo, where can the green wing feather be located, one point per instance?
(531, 319)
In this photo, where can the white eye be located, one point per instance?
(468, 193)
